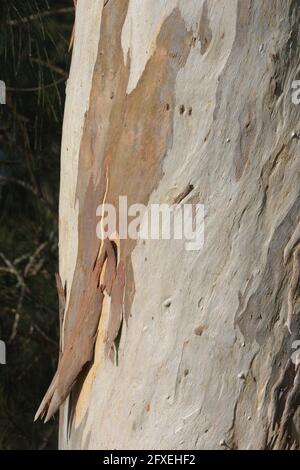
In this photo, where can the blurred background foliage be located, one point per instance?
(34, 63)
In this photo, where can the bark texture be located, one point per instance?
(170, 94)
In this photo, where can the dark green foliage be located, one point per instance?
(34, 64)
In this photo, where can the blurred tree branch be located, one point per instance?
(34, 63)
(41, 14)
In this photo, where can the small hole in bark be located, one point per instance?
(182, 109)
(199, 330)
(190, 111)
(168, 107)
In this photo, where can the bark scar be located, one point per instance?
(294, 284)
(293, 249)
(187, 190)
(79, 348)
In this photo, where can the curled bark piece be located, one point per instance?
(295, 238)
(116, 308)
(187, 190)
(291, 404)
(110, 267)
(79, 349)
(293, 287)
(277, 390)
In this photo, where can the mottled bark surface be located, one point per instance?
(163, 96)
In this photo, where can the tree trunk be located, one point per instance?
(166, 95)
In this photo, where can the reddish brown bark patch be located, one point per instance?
(129, 135)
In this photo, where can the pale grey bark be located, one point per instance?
(198, 371)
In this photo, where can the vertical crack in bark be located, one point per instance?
(285, 395)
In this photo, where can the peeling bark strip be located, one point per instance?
(285, 401)
(187, 190)
(294, 287)
(295, 238)
(285, 394)
(79, 349)
(116, 310)
(286, 391)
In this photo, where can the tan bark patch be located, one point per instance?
(128, 135)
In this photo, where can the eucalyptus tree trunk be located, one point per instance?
(166, 95)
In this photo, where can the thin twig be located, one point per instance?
(35, 17)
(32, 259)
(23, 288)
(38, 88)
(5, 270)
(26, 145)
(44, 335)
(28, 156)
(21, 258)
(13, 271)
(50, 66)
(10, 179)
(46, 438)
(28, 187)
(15, 327)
